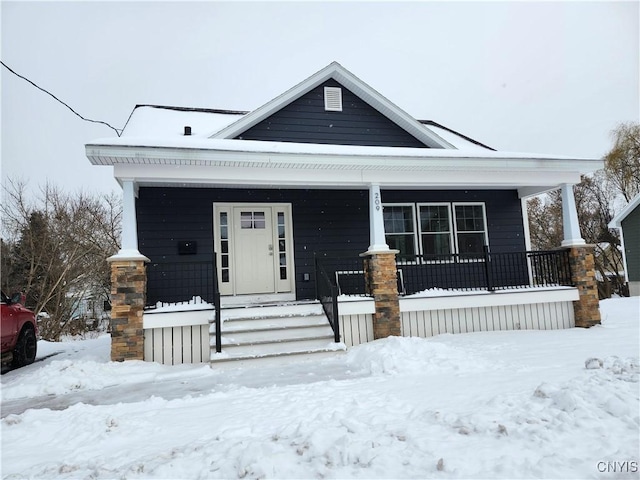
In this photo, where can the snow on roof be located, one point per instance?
(157, 121)
(258, 146)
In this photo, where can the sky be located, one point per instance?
(539, 77)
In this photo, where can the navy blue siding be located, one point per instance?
(306, 121)
(329, 222)
(333, 222)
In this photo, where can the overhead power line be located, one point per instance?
(117, 130)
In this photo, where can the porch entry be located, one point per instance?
(254, 245)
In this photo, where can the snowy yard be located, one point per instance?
(516, 404)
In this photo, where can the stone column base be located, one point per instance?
(128, 292)
(382, 282)
(583, 276)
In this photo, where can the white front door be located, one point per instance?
(255, 248)
(253, 245)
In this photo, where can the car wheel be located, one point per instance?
(25, 351)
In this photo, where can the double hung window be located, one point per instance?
(436, 229)
(399, 227)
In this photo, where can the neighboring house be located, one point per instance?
(628, 222)
(313, 195)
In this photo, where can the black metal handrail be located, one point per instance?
(486, 271)
(327, 293)
(216, 304)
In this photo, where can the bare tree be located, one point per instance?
(622, 163)
(56, 244)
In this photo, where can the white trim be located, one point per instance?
(267, 177)
(153, 319)
(624, 255)
(354, 84)
(525, 223)
(489, 299)
(616, 222)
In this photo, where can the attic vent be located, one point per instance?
(333, 99)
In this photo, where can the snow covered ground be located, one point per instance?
(516, 404)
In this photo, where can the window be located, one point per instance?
(252, 220)
(282, 245)
(399, 228)
(442, 228)
(471, 235)
(435, 229)
(224, 246)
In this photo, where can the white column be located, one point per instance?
(570, 225)
(129, 239)
(376, 221)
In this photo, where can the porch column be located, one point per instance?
(380, 272)
(377, 243)
(570, 225)
(128, 286)
(583, 275)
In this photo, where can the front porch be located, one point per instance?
(452, 294)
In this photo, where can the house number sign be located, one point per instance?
(377, 200)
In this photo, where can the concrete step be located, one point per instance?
(222, 360)
(269, 322)
(264, 311)
(289, 345)
(273, 334)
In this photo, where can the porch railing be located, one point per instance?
(327, 294)
(182, 282)
(486, 271)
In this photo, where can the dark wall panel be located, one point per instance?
(306, 121)
(326, 222)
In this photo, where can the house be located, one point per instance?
(329, 195)
(628, 223)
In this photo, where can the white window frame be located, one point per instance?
(451, 226)
(455, 224)
(453, 231)
(416, 245)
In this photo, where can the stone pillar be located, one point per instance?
(128, 295)
(583, 276)
(382, 282)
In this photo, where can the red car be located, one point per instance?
(19, 329)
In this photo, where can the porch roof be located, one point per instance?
(205, 161)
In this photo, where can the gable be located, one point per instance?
(305, 120)
(336, 72)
